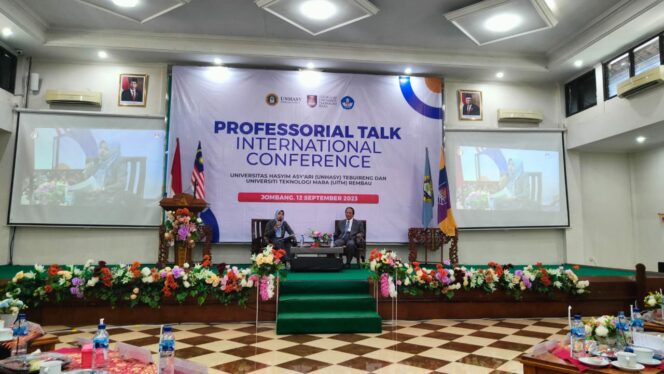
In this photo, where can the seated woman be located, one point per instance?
(275, 233)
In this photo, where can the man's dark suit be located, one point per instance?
(474, 110)
(351, 240)
(126, 96)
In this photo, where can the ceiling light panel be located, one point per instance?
(319, 16)
(143, 10)
(491, 21)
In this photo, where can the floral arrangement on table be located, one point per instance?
(181, 226)
(10, 305)
(319, 237)
(393, 275)
(652, 300)
(141, 285)
(601, 327)
(267, 266)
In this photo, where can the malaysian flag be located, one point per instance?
(197, 175)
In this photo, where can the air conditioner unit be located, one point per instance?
(73, 97)
(519, 115)
(638, 83)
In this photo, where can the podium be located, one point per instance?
(183, 252)
(432, 239)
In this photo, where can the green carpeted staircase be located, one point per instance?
(311, 304)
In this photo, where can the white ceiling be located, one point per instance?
(403, 33)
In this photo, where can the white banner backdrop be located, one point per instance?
(310, 143)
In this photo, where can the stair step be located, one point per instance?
(326, 302)
(324, 287)
(328, 322)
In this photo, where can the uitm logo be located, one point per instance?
(312, 100)
(347, 102)
(434, 85)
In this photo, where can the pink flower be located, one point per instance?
(385, 285)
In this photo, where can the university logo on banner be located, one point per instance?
(312, 100)
(347, 102)
(272, 99)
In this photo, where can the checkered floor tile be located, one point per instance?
(443, 346)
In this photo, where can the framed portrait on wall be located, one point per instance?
(133, 90)
(470, 105)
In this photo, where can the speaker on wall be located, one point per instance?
(8, 62)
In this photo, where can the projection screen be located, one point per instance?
(87, 170)
(504, 179)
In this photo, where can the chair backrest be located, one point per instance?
(257, 233)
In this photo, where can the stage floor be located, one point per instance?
(445, 346)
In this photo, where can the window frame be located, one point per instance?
(632, 68)
(574, 82)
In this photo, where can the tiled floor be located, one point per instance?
(444, 346)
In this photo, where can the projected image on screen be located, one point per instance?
(93, 166)
(507, 179)
(89, 170)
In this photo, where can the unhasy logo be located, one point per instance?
(272, 99)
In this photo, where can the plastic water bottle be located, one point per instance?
(167, 351)
(100, 342)
(578, 337)
(637, 321)
(301, 240)
(623, 328)
(20, 329)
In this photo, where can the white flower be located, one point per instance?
(146, 279)
(406, 282)
(372, 265)
(93, 281)
(652, 301)
(39, 268)
(186, 265)
(186, 284)
(146, 271)
(89, 263)
(601, 331)
(589, 329)
(557, 284)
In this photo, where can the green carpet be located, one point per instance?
(325, 303)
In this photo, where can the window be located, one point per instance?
(616, 72)
(643, 57)
(581, 93)
(646, 56)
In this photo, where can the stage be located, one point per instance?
(611, 290)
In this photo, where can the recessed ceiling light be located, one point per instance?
(319, 10)
(408, 71)
(500, 74)
(126, 3)
(102, 54)
(7, 32)
(218, 61)
(640, 139)
(578, 63)
(310, 65)
(502, 22)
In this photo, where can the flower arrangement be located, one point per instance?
(652, 300)
(181, 225)
(601, 327)
(265, 265)
(319, 237)
(10, 305)
(135, 284)
(386, 268)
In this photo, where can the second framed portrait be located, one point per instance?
(470, 105)
(133, 90)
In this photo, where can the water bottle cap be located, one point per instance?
(577, 316)
(102, 325)
(168, 328)
(637, 310)
(22, 316)
(621, 313)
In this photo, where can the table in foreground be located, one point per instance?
(548, 363)
(316, 258)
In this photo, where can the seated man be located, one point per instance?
(275, 231)
(348, 233)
